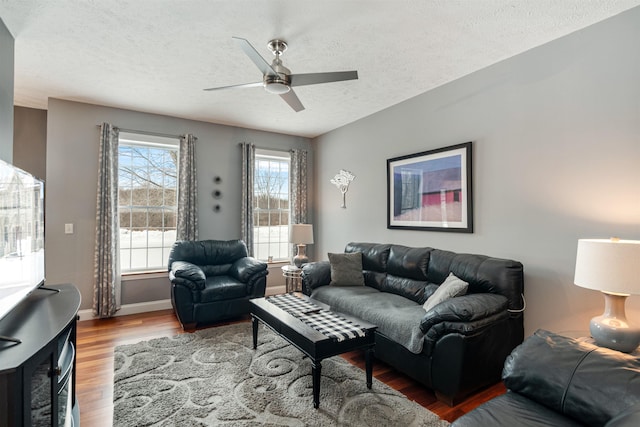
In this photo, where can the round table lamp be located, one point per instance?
(301, 235)
(611, 266)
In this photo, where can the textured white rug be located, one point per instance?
(214, 377)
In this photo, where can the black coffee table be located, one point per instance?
(309, 341)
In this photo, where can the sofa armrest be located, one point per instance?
(187, 274)
(465, 315)
(249, 270)
(467, 308)
(314, 275)
(246, 268)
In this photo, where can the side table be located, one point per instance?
(292, 277)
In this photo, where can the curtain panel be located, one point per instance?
(106, 288)
(298, 186)
(187, 221)
(248, 169)
(298, 190)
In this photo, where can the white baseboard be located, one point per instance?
(141, 307)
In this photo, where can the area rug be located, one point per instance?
(213, 377)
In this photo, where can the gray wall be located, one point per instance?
(72, 158)
(556, 134)
(30, 140)
(6, 93)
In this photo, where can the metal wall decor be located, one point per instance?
(217, 194)
(342, 181)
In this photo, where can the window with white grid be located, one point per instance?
(271, 206)
(147, 201)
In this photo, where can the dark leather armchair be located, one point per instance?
(563, 382)
(213, 280)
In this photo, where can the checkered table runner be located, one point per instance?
(324, 321)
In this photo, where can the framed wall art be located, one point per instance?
(431, 190)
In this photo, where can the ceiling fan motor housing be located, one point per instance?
(277, 84)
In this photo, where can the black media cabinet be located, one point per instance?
(37, 376)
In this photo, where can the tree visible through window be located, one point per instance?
(271, 206)
(147, 201)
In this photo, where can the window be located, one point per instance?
(271, 206)
(147, 200)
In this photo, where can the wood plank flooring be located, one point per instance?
(97, 339)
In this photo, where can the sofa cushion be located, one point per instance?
(452, 287)
(208, 252)
(215, 269)
(375, 279)
(484, 274)
(397, 317)
(374, 255)
(429, 290)
(411, 263)
(346, 269)
(408, 288)
(406, 273)
(589, 383)
(218, 288)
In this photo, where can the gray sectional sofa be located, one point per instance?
(459, 345)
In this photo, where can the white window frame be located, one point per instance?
(145, 140)
(274, 238)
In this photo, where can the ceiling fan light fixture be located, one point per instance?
(277, 88)
(278, 80)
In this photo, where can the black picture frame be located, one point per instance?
(431, 190)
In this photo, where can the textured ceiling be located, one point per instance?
(157, 55)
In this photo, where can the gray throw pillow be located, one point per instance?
(346, 269)
(452, 287)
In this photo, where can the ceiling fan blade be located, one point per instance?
(292, 99)
(242, 86)
(316, 78)
(253, 54)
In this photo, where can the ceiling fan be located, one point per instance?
(277, 79)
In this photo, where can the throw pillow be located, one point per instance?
(452, 287)
(346, 269)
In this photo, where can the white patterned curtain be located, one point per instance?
(106, 287)
(248, 169)
(187, 221)
(298, 190)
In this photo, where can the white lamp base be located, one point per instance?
(301, 257)
(611, 329)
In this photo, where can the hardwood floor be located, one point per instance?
(97, 339)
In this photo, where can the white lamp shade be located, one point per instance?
(301, 234)
(609, 265)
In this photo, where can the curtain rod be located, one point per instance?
(284, 150)
(142, 132)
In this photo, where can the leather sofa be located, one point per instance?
(213, 280)
(558, 381)
(457, 347)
